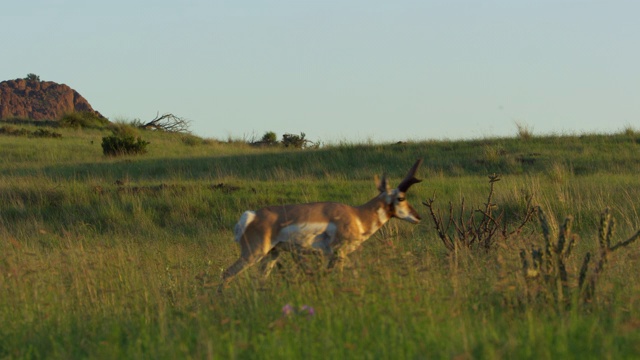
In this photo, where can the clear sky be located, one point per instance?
(340, 70)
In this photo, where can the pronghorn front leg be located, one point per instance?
(236, 268)
(337, 259)
(268, 262)
(231, 272)
(340, 255)
(247, 259)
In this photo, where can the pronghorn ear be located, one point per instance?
(382, 184)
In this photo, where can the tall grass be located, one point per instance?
(120, 258)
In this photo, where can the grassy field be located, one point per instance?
(120, 257)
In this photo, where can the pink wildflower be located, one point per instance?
(287, 310)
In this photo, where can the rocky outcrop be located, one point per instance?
(39, 100)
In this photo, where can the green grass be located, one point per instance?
(93, 269)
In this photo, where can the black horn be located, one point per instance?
(410, 179)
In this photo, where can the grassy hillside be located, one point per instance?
(120, 257)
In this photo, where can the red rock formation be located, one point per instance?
(39, 100)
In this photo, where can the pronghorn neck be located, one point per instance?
(374, 214)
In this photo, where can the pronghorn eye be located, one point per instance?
(400, 199)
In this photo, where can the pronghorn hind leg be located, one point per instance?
(336, 261)
(308, 263)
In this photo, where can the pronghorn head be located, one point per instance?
(397, 204)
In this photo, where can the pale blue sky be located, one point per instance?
(340, 70)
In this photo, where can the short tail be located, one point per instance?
(245, 219)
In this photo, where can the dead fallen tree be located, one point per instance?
(167, 122)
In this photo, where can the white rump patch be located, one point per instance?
(245, 219)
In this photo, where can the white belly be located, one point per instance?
(308, 235)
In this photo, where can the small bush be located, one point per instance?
(288, 140)
(43, 133)
(525, 132)
(83, 119)
(124, 130)
(116, 145)
(269, 138)
(192, 140)
(40, 133)
(32, 77)
(630, 131)
(11, 130)
(293, 140)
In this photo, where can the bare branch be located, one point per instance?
(633, 238)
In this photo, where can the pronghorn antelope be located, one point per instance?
(334, 229)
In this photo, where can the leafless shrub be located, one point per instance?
(587, 282)
(549, 265)
(545, 271)
(480, 227)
